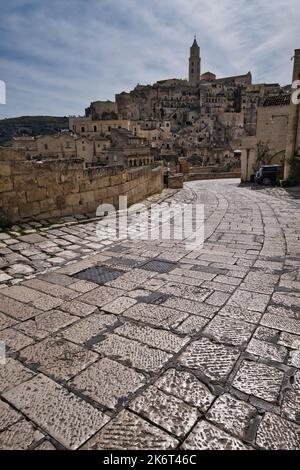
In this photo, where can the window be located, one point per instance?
(109, 128)
(83, 148)
(82, 129)
(95, 128)
(46, 146)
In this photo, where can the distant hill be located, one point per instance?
(30, 125)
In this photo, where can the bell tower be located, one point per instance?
(194, 63)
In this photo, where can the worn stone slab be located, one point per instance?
(205, 436)
(108, 382)
(185, 292)
(79, 309)
(36, 298)
(8, 416)
(132, 352)
(259, 380)
(88, 329)
(190, 306)
(154, 337)
(239, 313)
(119, 305)
(20, 436)
(192, 325)
(127, 431)
(58, 358)
(166, 411)
(6, 321)
(13, 373)
(281, 323)
(291, 406)
(100, 296)
(46, 323)
(253, 301)
(276, 433)
(218, 298)
(229, 331)
(186, 387)
(232, 415)
(211, 359)
(63, 415)
(17, 310)
(266, 350)
(49, 288)
(156, 315)
(14, 340)
(289, 340)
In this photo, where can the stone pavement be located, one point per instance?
(147, 345)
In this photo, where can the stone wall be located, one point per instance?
(49, 189)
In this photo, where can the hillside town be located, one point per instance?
(202, 123)
(129, 339)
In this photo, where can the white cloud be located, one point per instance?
(60, 55)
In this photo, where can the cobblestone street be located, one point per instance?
(146, 345)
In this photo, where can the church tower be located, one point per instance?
(194, 63)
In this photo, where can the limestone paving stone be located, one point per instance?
(119, 305)
(289, 340)
(46, 323)
(211, 359)
(206, 436)
(127, 431)
(186, 387)
(190, 306)
(185, 292)
(14, 340)
(156, 315)
(36, 298)
(83, 286)
(100, 296)
(253, 301)
(231, 414)
(154, 337)
(6, 322)
(259, 380)
(17, 310)
(135, 354)
(52, 289)
(263, 333)
(45, 445)
(166, 411)
(276, 433)
(291, 406)
(266, 350)
(57, 357)
(89, 328)
(192, 325)
(20, 436)
(239, 313)
(13, 373)
(286, 300)
(281, 323)
(294, 358)
(63, 415)
(108, 382)
(8, 416)
(218, 298)
(229, 331)
(79, 309)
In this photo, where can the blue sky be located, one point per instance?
(57, 56)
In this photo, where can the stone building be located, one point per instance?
(128, 150)
(194, 63)
(277, 137)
